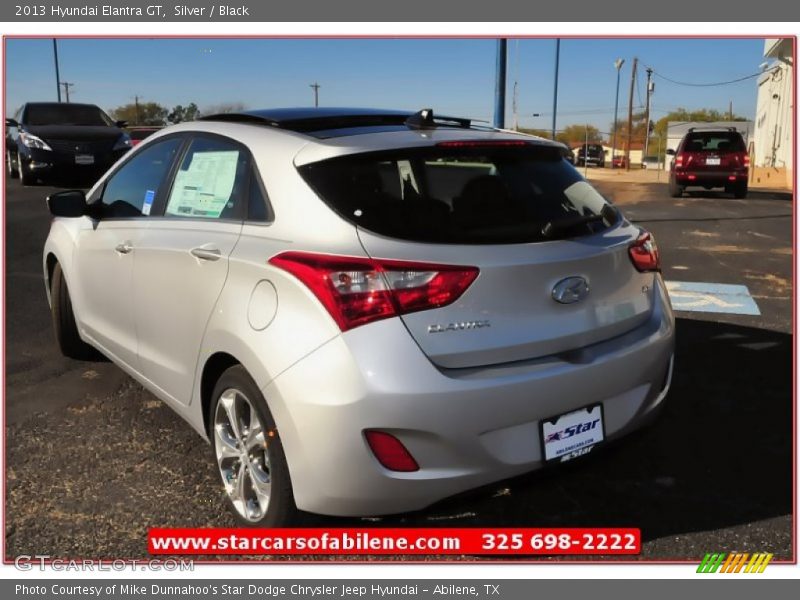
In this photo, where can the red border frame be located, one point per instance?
(467, 561)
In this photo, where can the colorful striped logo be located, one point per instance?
(735, 562)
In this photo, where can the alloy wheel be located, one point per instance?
(240, 444)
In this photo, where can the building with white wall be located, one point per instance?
(774, 132)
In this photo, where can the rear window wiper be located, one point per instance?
(551, 228)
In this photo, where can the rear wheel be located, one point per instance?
(249, 453)
(67, 336)
(675, 190)
(740, 190)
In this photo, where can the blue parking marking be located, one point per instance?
(699, 296)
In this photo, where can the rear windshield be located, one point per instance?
(462, 195)
(65, 114)
(715, 141)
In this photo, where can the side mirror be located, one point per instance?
(70, 203)
(121, 124)
(11, 122)
(670, 151)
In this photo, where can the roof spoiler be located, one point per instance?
(712, 128)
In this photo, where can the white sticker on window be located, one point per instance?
(204, 188)
(149, 195)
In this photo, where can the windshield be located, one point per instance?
(66, 114)
(465, 195)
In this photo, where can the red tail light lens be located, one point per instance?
(644, 253)
(356, 291)
(679, 160)
(746, 160)
(390, 451)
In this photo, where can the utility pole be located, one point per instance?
(647, 112)
(67, 85)
(555, 87)
(515, 126)
(618, 66)
(136, 103)
(315, 86)
(500, 84)
(730, 110)
(630, 116)
(58, 76)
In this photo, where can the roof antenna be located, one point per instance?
(421, 120)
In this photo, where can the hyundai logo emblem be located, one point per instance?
(570, 290)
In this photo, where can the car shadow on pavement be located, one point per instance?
(773, 195)
(719, 456)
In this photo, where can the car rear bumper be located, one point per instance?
(465, 427)
(710, 178)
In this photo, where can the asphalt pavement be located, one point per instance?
(93, 460)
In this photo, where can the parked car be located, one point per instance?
(50, 139)
(619, 162)
(364, 312)
(708, 158)
(652, 162)
(592, 154)
(139, 133)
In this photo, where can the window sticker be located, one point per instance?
(204, 188)
(149, 195)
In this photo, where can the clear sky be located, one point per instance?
(454, 76)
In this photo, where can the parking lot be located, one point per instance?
(93, 460)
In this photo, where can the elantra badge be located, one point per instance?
(570, 290)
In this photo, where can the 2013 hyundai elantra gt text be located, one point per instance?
(364, 311)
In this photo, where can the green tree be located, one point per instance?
(577, 134)
(223, 107)
(537, 132)
(703, 115)
(181, 113)
(141, 113)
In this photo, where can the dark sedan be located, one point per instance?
(47, 140)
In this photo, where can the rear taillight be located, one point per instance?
(743, 158)
(644, 253)
(390, 451)
(356, 291)
(679, 160)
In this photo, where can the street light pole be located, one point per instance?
(555, 87)
(315, 86)
(618, 65)
(58, 76)
(500, 84)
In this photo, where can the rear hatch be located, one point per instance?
(711, 151)
(555, 273)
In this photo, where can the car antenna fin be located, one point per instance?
(422, 119)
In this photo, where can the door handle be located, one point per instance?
(206, 253)
(124, 247)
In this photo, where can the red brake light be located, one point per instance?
(644, 253)
(390, 451)
(746, 160)
(356, 291)
(679, 160)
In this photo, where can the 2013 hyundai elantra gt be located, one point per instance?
(364, 311)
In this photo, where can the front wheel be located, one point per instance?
(249, 453)
(11, 166)
(25, 175)
(67, 336)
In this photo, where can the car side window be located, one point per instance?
(131, 191)
(211, 182)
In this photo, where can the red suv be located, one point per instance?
(710, 158)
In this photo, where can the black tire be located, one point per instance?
(67, 336)
(740, 190)
(675, 190)
(11, 168)
(281, 510)
(25, 175)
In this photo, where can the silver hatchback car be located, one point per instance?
(364, 311)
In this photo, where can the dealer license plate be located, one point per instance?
(572, 434)
(84, 159)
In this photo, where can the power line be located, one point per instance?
(717, 83)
